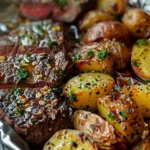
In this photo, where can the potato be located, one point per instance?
(140, 59)
(123, 113)
(70, 140)
(84, 89)
(144, 145)
(93, 17)
(137, 22)
(95, 127)
(116, 7)
(94, 58)
(141, 94)
(107, 29)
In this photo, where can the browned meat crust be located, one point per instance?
(36, 114)
(32, 66)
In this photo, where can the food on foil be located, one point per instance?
(75, 74)
(34, 113)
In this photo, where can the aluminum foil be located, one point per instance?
(10, 140)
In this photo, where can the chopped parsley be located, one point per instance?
(61, 3)
(20, 111)
(58, 89)
(33, 121)
(22, 74)
(146, 82)
(90, 53)
(111, 116)
(16, 91)
(51, 44)
(135, 62)
(74, 144)
(123, 114)
(72, 96)
(142, 42)
(79, 57)
(103, 54)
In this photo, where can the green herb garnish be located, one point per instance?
(72, 96)
(58, 89)
(20, 111)
(140, 147)
(142, 42)
(62, 3)
(123, 114)
(111, 116)
(146, 82)
(16, 91)
(23, 74)
(74, 144)
(135, 62)
(90, 53)
(103, 54)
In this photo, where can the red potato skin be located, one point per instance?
(107, 29)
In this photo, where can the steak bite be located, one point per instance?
(31, 67)
(35, 113)
(64, 11)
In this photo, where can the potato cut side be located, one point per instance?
(97, 128)
(70, 140)
(84, 89)
(141, 94)
(140, 59)
(123, 113)
(93, 17)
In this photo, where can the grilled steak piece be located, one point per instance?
(35, 113)
(65, 11)
(32, 67)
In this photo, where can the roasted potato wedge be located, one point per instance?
(138, 22)
(144, 145)
(123, 113)
(140, 59)
(94, 58)
(84, 89)
(116, 7)
(95, 127)
(70, 140)
(93, 17)
(141, 94)
(107, 29)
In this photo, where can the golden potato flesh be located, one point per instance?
(140, 59)
(94, 58)
(84, 89)
(93, 17)
(107, 29)
(69, 140)
(95, 127)
(141, 94)
(123, 113)
(116, 7)
(138, 22)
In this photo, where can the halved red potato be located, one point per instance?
(116, 7)
(94, 58)
(70, 140)
(93, 17)
(107, 29)
(140, 59)
(123, 113)
(138, 22)
(84, 89)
